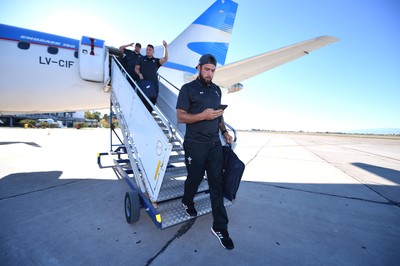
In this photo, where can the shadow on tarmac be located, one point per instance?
(34, 144)
(271, 224)
(15, 185)
(387, 173)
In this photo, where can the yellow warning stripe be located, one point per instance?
(157, 169)
(158, 218)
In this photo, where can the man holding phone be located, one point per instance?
(199, 107)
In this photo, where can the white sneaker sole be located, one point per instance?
(212, 230)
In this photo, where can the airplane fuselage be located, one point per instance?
(41, 73)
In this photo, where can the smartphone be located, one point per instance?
(222, 106)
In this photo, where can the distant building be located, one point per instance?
(67, 118)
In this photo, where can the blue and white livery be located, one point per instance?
(210, 33)
(42, 72)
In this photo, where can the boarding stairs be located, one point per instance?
(155, 168)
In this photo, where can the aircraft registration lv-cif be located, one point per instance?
(42, 72)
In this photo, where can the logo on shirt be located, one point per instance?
(202, 92)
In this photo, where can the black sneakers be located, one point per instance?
(190, 210)
(223, 237)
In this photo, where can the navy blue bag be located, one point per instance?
(232, 173)
(148, 89)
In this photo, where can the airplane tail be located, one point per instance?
(209, 33)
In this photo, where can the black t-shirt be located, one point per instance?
(149, 68)
(194, 97)
(129, 62)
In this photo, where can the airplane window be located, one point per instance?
(76, 54)
(24, 45)
(52, 50)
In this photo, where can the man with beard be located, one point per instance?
(197, 107)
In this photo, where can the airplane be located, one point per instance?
(45, 73)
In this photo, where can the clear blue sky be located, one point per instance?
(351, 84)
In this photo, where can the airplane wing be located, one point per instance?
(229, 75)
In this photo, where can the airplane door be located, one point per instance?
(92, 59)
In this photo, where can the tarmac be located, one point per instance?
(304, 199)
